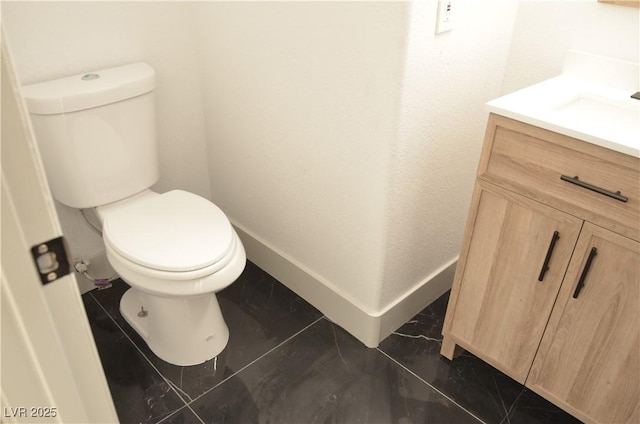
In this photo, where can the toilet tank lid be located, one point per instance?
(90, 89)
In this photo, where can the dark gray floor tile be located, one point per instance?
(109, 298)
(139, 393)
(320, 375)
(533, 409)
(260, 313)
(475, 385)
(324, 375)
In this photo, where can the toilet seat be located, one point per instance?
(236, 246)
(176, 232)
(166, 283)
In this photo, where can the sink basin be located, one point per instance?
(601, 112)
(580, 105)
(601, 116)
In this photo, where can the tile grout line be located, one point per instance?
(195, 413)
(165, 379)
(252, 362)
(513, 406)
(257, 359)
(504, 407)
(172, 385)
(175, 412)
(431, 386)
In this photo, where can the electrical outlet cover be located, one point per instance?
(445, 12)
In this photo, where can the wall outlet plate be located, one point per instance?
(445, 11)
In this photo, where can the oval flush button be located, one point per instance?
(89, 77)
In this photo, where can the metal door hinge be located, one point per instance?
(51, 259)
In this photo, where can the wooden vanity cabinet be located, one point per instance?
(532, 238)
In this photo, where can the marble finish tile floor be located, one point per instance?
(286, 363)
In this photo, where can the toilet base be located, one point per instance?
(186, 330)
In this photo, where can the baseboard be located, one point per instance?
(415, 300)
(369, 328)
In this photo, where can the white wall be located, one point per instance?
(448, 78)
(302, 103)
(55, 39)
(345, 135)
(545, 30)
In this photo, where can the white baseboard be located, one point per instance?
(415, 300)
(369, 328)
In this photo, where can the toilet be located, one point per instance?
(97, 137)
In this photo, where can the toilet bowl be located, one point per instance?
(175, 250)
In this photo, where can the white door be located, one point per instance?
(50, 370)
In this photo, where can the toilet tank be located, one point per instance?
(96, 133)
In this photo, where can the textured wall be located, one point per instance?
(346, 135)
(545, 30)
(302, 104)
(448, 78)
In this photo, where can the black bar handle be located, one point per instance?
(545, 265)
(583, 276)
(575, 180)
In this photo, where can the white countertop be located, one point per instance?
(590, 101)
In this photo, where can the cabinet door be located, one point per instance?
(589, 358)
(501, 307)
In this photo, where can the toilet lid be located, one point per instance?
(174, 231)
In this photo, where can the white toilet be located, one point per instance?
(97, 137)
